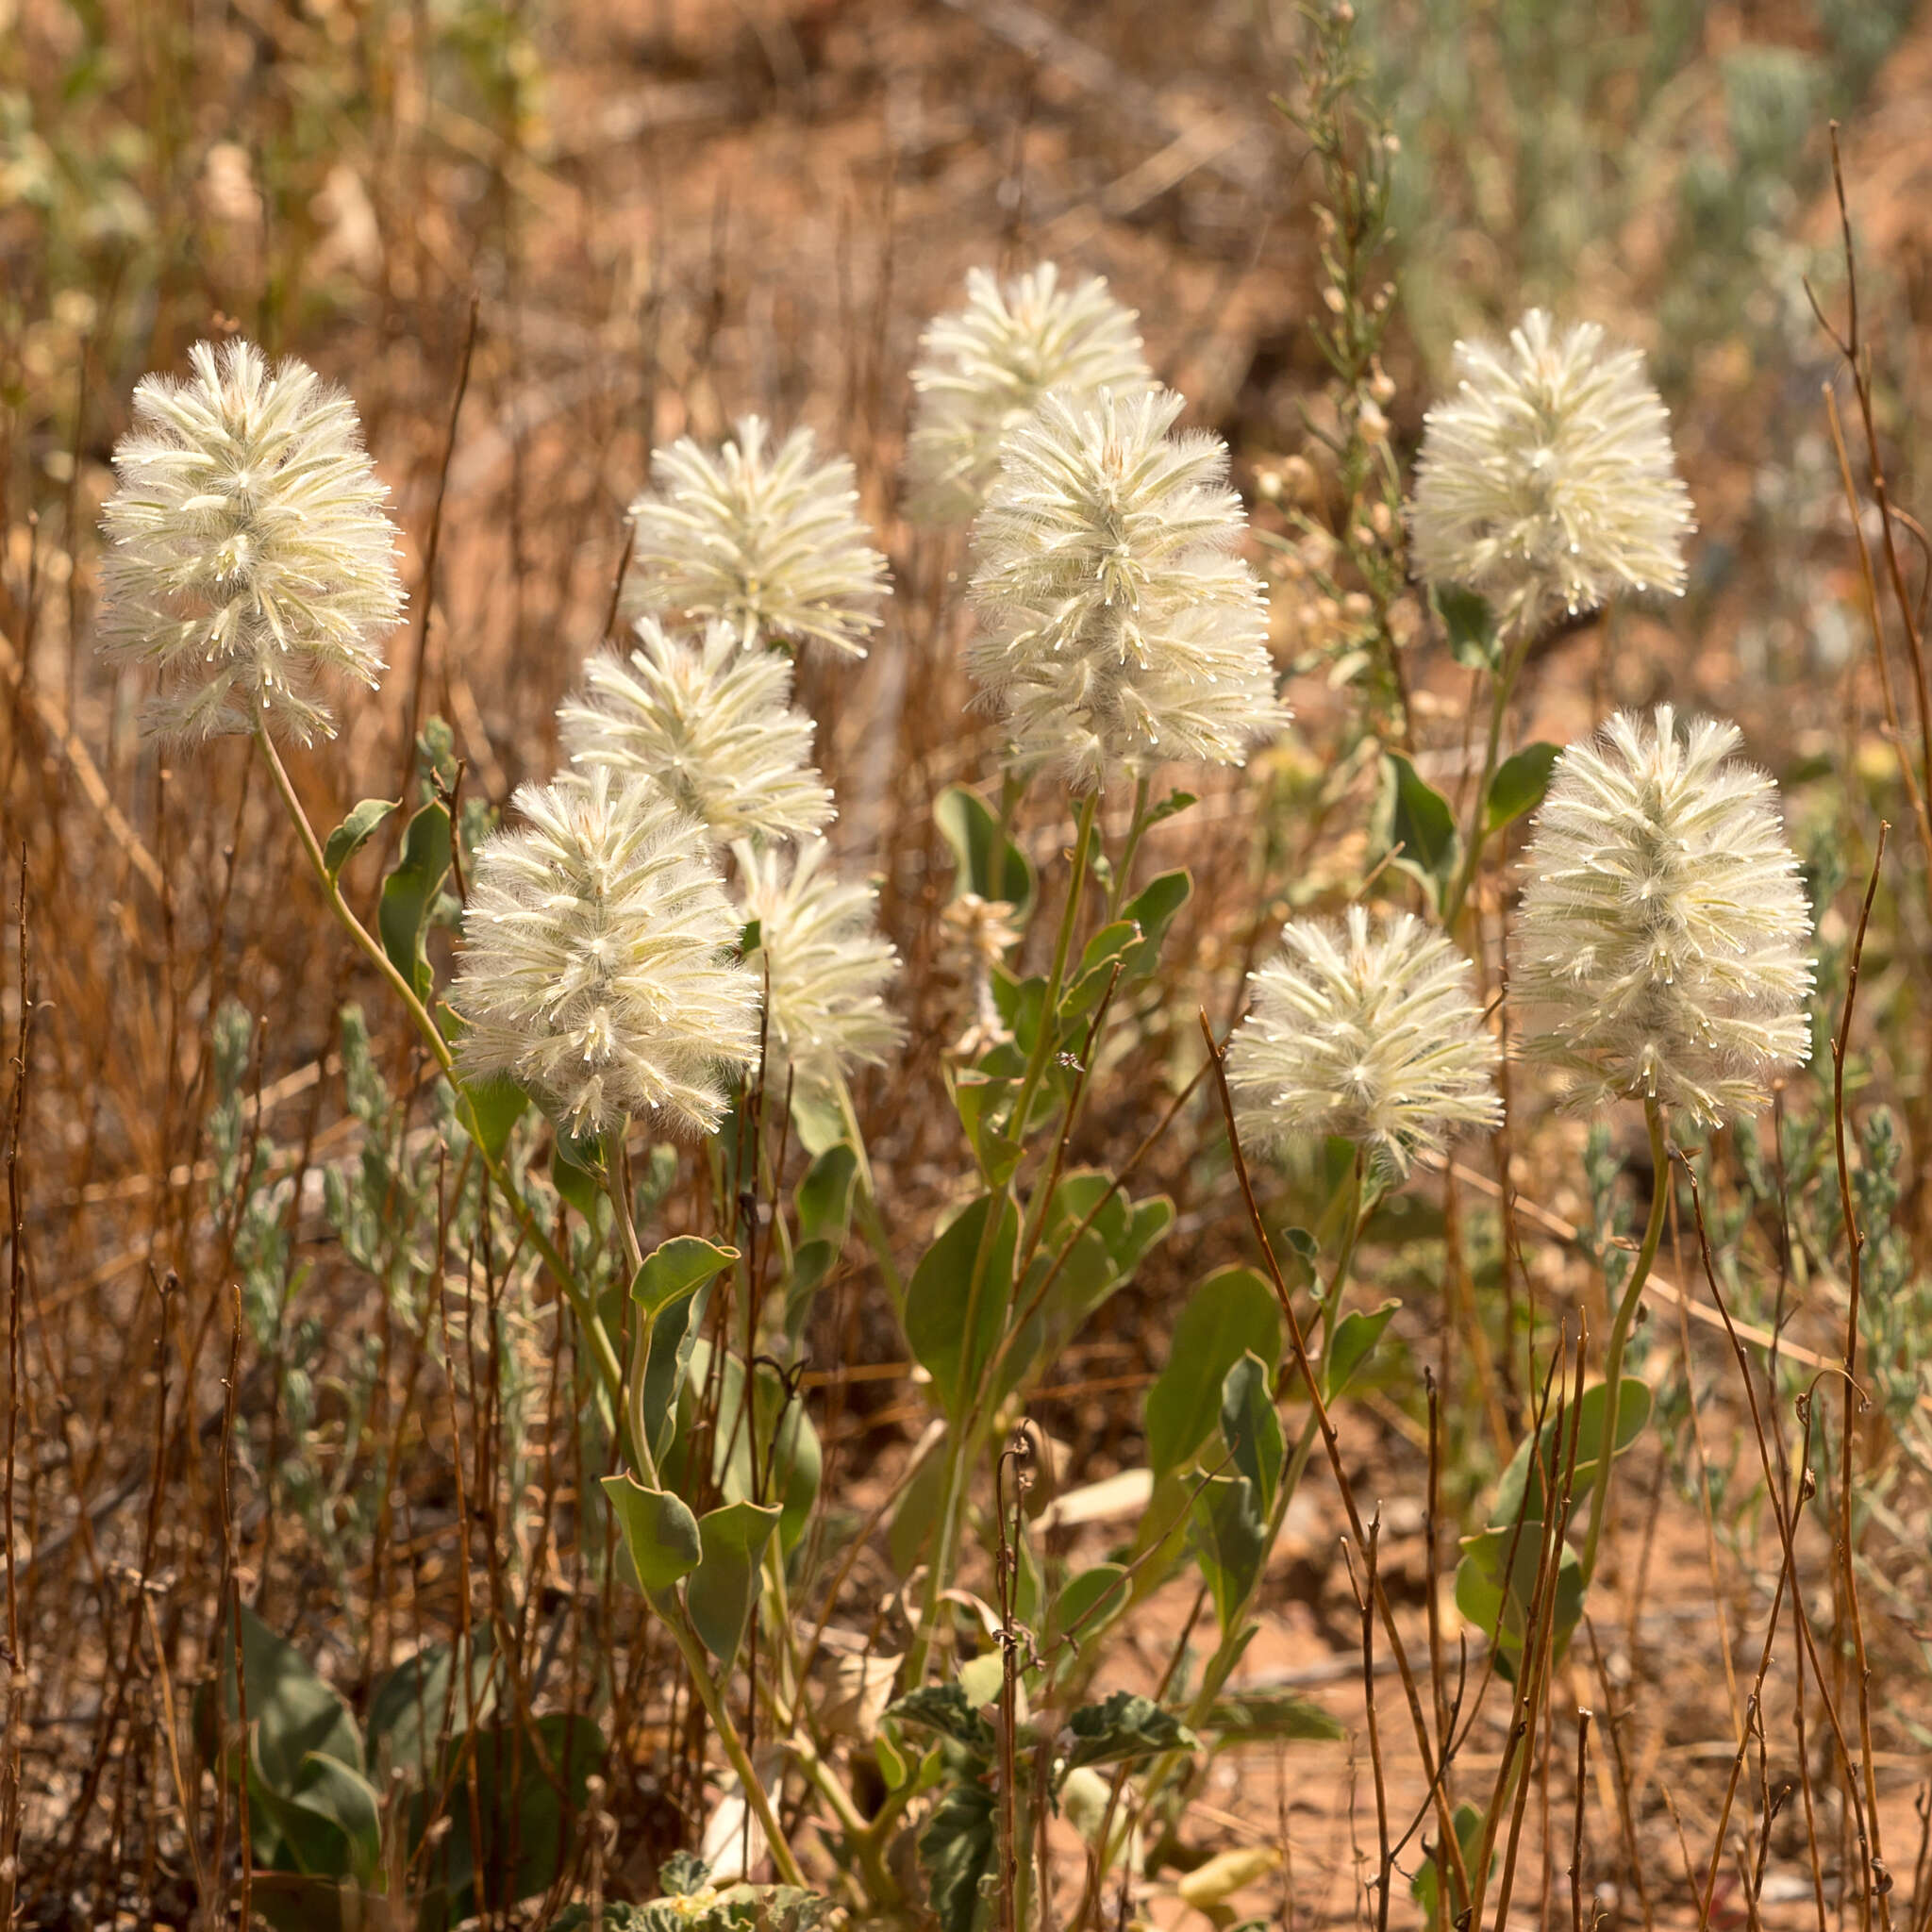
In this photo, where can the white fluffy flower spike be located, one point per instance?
(1118, 628)
(1662, 945)
(599, 969)
(765, 540)
(826, 964)
(710, 723)
(1548, 482)
(1368, 1030)
(248, 553)
(984, 367)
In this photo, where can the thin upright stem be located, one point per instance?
(1502, 690)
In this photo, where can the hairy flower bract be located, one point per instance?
(1118, 629)
(984, 367)
(768, 541)
(1368, 1030)
(248, 553)
(708, 723)
(1662, 945)
(1548, 482)
(599, 968)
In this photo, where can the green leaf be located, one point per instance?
(1245, 1717)
(1413, 821)
(1230, 1542)
(291, 1712)
(576, 1172)
(937, 1300)
(1231, 1313)
(1472, 627)
(824, 1202)
(1425, 1886)
(409, 893)
(1124, 1728)
(1498, 1604)
(916, 1507)
(678, 1267)
(491, 1109)
(1088, 1604)
(1152, 909)
(1518, 784)
(945, 1710)
(725, 1587)
(956, 1850)
(341, 1798)
(409, 1711)
(1541, 1457)
(1174, 803)
(674, 1337)
(988, 863)
(979, 1100)
(348, 836)
(1354, 1342)
(659, 1529)
(1250, 1427)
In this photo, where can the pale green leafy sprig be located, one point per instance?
(766, 541)
(819, 951)
(1662, 946)
(599, 968)
(1118, 628)
(248, 553)
(1547, 482)
(710, 724)
(1368, 1030)
(983, 368)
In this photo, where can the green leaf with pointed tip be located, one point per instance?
(1499, 1603)
(1354, 1342)
(946, 1710)
(1232, 1312)
(1230, 1542)
(1089, 1604)
(1425, 1886)
(724, 1587)
(659, 1530)
(409, 893)
(678, 1267)
(988, 863)
(1519, 784)
(1540, 1459)
(1152, 909)
(1414, 823)
(1471, 626)
(823, 1202)
(1250, 1427)
(1124, 1728)
(347, 838)
(491, 1108)
(939, 1299)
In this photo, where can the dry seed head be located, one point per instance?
(708, 723)
(767, 540)
(985, 367)
(1118, 628)
(599, 967)
(1662, 946)
(249, 557)
(1368, 1030)
(1548, 482)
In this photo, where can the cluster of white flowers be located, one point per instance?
(1118, 627)
(248, 554)
(767, 540)
(1368, 1031)
(1660, 948)
(984, 368)
(1547, 482)
(708, 723)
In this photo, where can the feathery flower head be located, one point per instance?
(986, 366)
(248, 552)
(1548, 482)
(709, 724)
(1662, 945)
(1366, 1030)
(1118, 629)
(826, 965)
(598, 968)
(765, 540)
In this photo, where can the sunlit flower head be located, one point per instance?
(819, 948)
(1368, 1030)
(766, 539)
(1547, 481)
(1662, 944)
(1118, 628)
(599, 967)
(249, 557)
(708, 723)
(983, 368)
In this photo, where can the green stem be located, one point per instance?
(1124, 871)
(965, 1430)
(1620, 1331)
(609, 1368)
(1502, 690)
